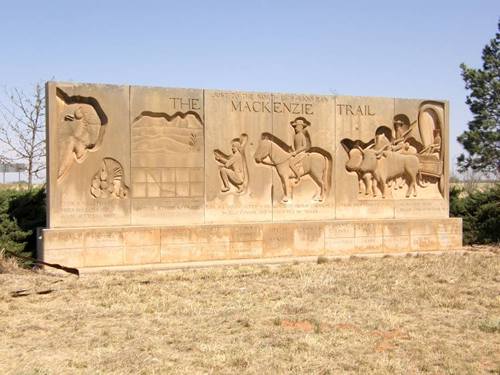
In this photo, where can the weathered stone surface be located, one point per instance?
(300, 120)
(238, 189)
(119, 246)
(88, 155)
(167, 156)
(357, 120)
(430, 122)
(144, 175)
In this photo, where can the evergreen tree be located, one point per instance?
(482, 139)
(12, 236)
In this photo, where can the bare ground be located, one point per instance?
(433, 314)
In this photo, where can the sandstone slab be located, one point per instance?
(146, 175)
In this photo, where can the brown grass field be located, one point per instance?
(432, 314)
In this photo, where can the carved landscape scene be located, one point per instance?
(163, 150)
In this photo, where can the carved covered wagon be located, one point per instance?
(431, 155)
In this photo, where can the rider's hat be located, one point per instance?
(300, 121)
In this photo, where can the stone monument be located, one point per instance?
(141, 176)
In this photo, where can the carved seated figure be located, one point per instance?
(233, 168)
(403, 128)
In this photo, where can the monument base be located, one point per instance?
(150, 247)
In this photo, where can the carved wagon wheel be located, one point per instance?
(424, 181)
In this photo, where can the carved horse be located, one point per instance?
(315, 164)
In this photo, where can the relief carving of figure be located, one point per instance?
(108, 181)
(80, 130)
(301, 145)
(233, 170)
(403, 129)
(294, 162)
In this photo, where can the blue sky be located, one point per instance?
(370, 48)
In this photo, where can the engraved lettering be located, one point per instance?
(195, 104)
(266, 107)
(340, 108)
(276, 107)
(185, 103)
(174, 100)
(360, 110)
(236, 106)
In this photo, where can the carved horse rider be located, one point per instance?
(301, 145)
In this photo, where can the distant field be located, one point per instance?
(433, 314)
(476, 185)
(20, 186)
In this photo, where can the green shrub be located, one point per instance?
(28, 209)
(12, 237)
(21, 212)
(480, 212)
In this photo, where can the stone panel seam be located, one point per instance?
(204, 160)
(130, 153)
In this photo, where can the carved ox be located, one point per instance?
(354, 162)
(387, 165)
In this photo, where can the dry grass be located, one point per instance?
(427, 314)
(8, 264)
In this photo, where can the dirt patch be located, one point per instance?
(304, 326)
(388, 339)
(347, 326)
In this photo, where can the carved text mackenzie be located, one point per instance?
(276, 107)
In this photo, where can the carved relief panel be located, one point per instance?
(89, 136)
(428, 142)
(361, 123)
(238, 188)
(399, 164)
(167, 156)
(121, 155)
(300, 153)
